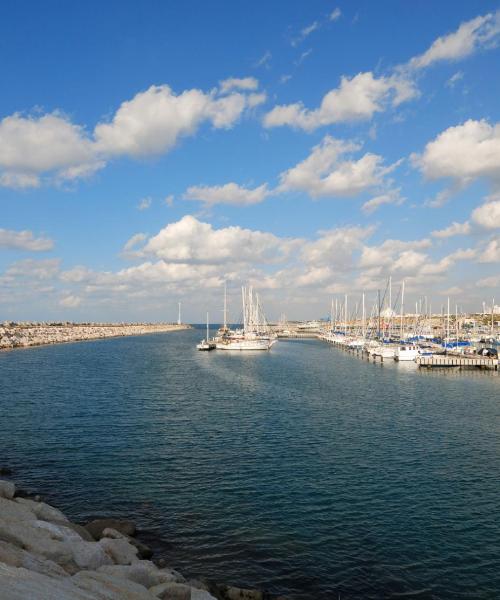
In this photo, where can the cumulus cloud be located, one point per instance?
(357, 98)
(480, 32)
(70, 301)
(463, 153)
(190, 240)
(151, 123)
(230, 193)
(33, 268)
(491, 252)
(488, 215)
(243, 83)
(50, 143)
(393, 252)
(452, 230)
(335, 247)
(323, 174)
(389, 197)
(24, 240)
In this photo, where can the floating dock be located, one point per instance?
(459, 362)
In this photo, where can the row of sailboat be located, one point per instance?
(254, 334)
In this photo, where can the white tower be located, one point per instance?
(179, 317)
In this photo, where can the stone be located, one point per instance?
(12, 511)
(79, 529)
(43, 511)
(109, 532)
(142, 571)
(5, 471)
(120, 551)
(103, 585)
(234, 593)
(7, 489)
(171, 591)
(201, 595)
(97, 526)
(89, 555)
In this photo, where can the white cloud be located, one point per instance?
(488, 215)
(305, 32)
(134, 241)
(24, 240)
(153, 121)
(472, 35)
(323, 174)
(70, 301)
(452, 230)
(144, 203)
(192, 241)
(230, 193)
(335, 247)
(169, 200)
(491, 252)
(464, 153)
(264, 60)
(244, 83)
(35, 269)
(390, 197)
(30, 146)
(454, 79)
(335, 14)
(391, 252)
(357, 98)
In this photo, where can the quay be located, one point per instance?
(459, 362)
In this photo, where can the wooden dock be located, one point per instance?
(459, 362)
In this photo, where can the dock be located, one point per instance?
(459, 362)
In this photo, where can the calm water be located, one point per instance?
(303, 471)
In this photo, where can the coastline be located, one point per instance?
(44, 555)
(28, 335)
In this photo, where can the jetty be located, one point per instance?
(23, 335)
(458, 362)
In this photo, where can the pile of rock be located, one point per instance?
(13, 335)
(44, 556)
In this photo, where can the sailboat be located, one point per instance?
(206, 345)
(255, 334)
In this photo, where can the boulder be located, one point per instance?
(12, 511)
(143, 572)
(5, 471)
(171, 591)
(143, 551)
(96, 527)
(120, 551)
(234, 593)
(43, 511)
(201, 595)
(109, 532)
(7, 489)
(103, 585)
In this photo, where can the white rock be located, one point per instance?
(88, 555)
(143, 572)
(197, 594)
(120, 551)
(172, 591)
(21, 584)
(12, 511)
(7, 489)
(104, 585)
(42, 511)
(109, 532)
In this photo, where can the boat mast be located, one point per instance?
(207, 327)
(390, 306)
(401, 325)
(345, 315)
(363, 329)
(456, 325)
(492, 311)
(225, 305)
(448, 322)
(243, 292)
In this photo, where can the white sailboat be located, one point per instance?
(206, 345)
(255, 334)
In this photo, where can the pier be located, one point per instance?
(459, 362)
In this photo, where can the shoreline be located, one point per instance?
(44, 554)
(31, 335)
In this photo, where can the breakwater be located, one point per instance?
(44, 555)
(22, 335)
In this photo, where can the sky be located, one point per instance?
(151, 151)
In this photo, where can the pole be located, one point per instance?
(207, 328)
(448, 324)
(363, 322)
(401, 326)
(378, 293)
(345, 315)
(225, 306)
(179, 317)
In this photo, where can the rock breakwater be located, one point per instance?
(21, 335)
(44, 556)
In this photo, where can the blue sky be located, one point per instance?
(150, 151)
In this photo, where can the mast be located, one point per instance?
(363, 330)
(225, 305)
(448, 322)
(492, 311)
(244, 309)
(345, 315)
(179, 317)
(378, 294)
(207, 328)
(401, 324)
(456, 325)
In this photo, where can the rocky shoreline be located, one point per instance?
(23, 335)
(45, 556)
